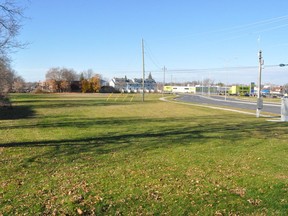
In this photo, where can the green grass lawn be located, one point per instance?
(73, 154)
(254, 99)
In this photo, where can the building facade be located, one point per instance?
(134, 85)
(192, 89)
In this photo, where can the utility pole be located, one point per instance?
(209, 93)
(164, 70)
(209, 85)
(143, 71)
(202, 86)
(259, 98)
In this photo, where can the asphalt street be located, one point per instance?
(230, 102)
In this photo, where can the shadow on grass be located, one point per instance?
(16, 112)
(202, 123)
(138, 142)
(67, 122)
(173, 134)
(73, 103)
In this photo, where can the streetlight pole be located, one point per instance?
(259, 99)
(164, 70)
(284, 103)
(143, 71)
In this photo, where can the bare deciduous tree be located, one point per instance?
(60, 74)
(11, 15)
(10, 24)
(18, 84)
(53, 74)
(6, 77)
(87, 74)
(208, 82)
(68, 75)
(61, 78)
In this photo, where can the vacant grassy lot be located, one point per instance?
(83, 154)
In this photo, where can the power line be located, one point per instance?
(220, 69)
(151, 56)
(257, 24)
(197, 70)
(242, 29)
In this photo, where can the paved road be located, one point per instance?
(230, 102)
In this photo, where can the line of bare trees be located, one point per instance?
(59, 79)
(11, 15)
(64, 80)
(9, 80)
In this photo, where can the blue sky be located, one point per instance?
(183, 35)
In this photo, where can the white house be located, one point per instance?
(134, 85)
